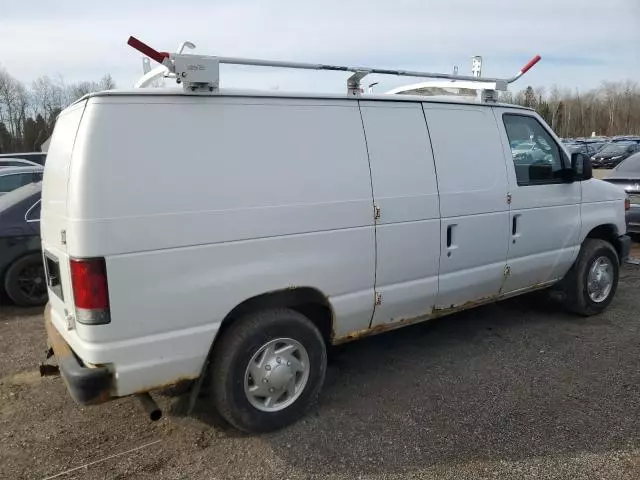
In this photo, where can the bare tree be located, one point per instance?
(613, 109)
(27, 116)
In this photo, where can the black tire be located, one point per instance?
(21, 290)
(232, 355)
(576, 297)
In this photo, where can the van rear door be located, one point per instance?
(54, 218)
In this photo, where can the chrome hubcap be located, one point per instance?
(600, 279)
(276, 375)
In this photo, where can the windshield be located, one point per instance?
(615, 148)
(524, 146)
(576, 148)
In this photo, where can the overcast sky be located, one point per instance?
(582, 42)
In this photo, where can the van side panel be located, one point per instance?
(405, 189)
(210, 203)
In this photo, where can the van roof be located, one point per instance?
(270, 94)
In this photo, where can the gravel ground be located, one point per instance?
(513, 390)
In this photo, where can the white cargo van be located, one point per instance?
(237, 235)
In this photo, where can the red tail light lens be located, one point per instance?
(90, 290)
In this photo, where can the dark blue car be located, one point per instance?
(21, 271)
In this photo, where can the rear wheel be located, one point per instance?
(25, 283)
(268, 370)
(591, 283)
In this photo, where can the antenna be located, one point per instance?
(476, 66)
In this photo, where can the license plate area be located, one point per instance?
(52, 272)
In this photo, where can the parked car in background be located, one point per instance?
(527, 153)
(627, 176)
(35, 157)
(582, 147)
(626, 138)
(16, 162)
(22, 276)
(613, 153)
(12, 178)
(596, 146)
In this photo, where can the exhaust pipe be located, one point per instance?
(150, 406)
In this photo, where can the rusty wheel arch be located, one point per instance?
(308, 301)
(607, 232)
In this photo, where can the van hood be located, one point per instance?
(595, 190)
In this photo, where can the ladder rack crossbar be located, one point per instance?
(340, 68)
(201, 72)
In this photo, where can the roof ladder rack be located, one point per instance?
(201, 73)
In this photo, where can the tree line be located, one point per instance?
(28, 113)
(611, 109)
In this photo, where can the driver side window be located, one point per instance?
(537, 158)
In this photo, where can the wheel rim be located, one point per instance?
(600, 279)
(276, 375)
(31, 283)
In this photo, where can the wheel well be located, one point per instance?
(306, 300)
(608, 233)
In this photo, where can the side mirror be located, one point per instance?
(581, 166)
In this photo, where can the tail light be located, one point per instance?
(90, 290)
(627, 204)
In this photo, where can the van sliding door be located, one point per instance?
(408, 227)
(473, 187)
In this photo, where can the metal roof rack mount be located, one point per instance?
(201, 73)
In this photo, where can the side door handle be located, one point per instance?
(451, 246)
(515, 227)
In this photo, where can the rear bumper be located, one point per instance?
(86, 385)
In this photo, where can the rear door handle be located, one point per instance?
(449, 235)
(514, 225)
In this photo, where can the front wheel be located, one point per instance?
(267, 370)
(591, 283)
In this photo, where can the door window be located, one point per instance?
(536, 156)
(9, 183)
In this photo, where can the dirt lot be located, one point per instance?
(513, 390)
